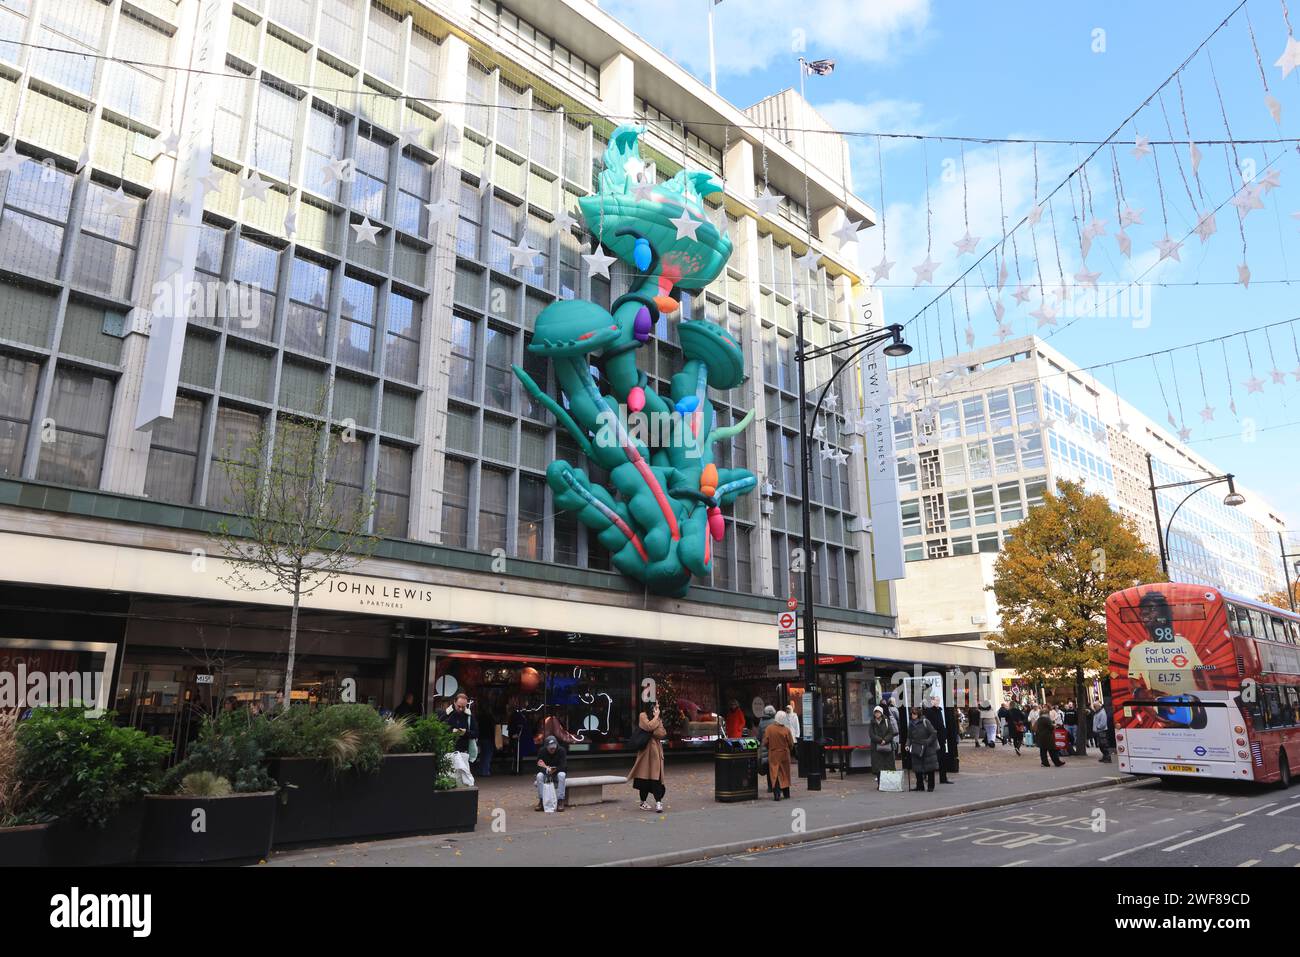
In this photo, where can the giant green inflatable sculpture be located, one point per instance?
(663, 512)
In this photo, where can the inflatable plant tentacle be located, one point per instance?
(662, 511)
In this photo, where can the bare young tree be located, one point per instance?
(293, 524)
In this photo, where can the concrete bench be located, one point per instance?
(589, 790)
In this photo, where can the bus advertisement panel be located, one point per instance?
(1174, 682)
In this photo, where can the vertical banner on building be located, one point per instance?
(169, 299)
(882, 469)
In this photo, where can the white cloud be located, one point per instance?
(750, 35)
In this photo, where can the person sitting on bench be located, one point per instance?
(552, 762)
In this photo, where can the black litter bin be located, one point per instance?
(735, 773)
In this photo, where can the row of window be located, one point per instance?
(985, 458)
(1072, 457)
(953, 545)
(1279, 706)
(990, 412)
(1067, 411)
(982, 505)
(1253, 623)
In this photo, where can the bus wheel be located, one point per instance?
(1284, 771)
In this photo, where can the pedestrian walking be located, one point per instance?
(648, 772)
(769, 716)
(1017, 724)
(779, 743)
(883, 734)
(988, 723)
(1101, 730)
(923, 746)
(1044, 734)
(792, 721)
(1070, 718)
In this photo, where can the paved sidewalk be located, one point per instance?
(694, 826)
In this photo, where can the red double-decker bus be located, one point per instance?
(1204, 684)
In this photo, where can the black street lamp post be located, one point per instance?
(857, 345)
(1233, 498)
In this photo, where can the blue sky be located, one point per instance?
(1039, 71)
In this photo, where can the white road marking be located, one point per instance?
(1252, 811)
(1016, 863)
(1111, 857)
(1289, 807)
(1203, 837)
(1282, 847)
(1250, 863)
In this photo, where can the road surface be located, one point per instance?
(1191, 824)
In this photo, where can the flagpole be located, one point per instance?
(713, 63)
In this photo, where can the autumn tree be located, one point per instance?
(1279, 599)
(1051, 581)
(294, 524)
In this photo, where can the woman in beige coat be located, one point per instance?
(648, 772)
(779, 743)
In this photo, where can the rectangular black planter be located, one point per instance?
(71, 844)
(23, 846)
(183, 829)
(315, 806)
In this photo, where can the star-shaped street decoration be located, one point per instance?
(1034, 215)
(339, 169)
(1122, 425)
(1279, 377)
(598, 263)
(644, 192)
(881, 269)
(1002, 274)
(767, 203)
(168, 142)
(1207, 414)
(1274, 108)
(1247, 198)
(564, 222)
(1131, 217)
(440, 210)
(966, 245)
(365, 232)
(1196, 157)
(253, 186)
(1296, 373)
(686, 225)
(1085, 244)
(832, 402)
(1097, 228)
(999, 311)
(1206, 226)
(212, 181)
(118, 203)
(841, 457)
(409, 135)
(808, 260)
(290, 224)
(1099, 434)
(819, 431)
(1290, 58)
(925, 271)
(1022, 294)
(1141, 147)
(1270, 181)
(827, 452)
(1243, 275)
(970, 337)
(1125, 243)
(11, 159)
(1184, 434)
(522, 256)
(1085, 278)
(1045, 314)
(846, 232)
(634, 168)
(1168, 249)
(1023, 443)
(1254, 384)
(1004, 332)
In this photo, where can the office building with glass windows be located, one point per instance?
(371, 165)
(982, 436)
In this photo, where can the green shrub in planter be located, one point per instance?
(229, 747)
(351, 737)
(85, 769)
(430, 735)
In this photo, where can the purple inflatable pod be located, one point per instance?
(642, 325)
